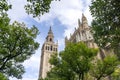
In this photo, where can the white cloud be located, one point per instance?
(32, 62)
(17, 12)
(88, 14)
(61, 44)
(68, 13)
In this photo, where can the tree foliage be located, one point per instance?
(38, 7)
(16, 45)
(116, 74)
(4, 6)
(103, 68)
(2, 77)
(106, 23)
(61, 70)
(73, 62)
(34, 7)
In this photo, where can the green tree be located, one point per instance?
(2, 77)
(61, 70)
(4, 6)
(16, 45)
(34, 7)
(103, 68)
(38, 7)
(106, 23)
(116, 74)
(73, 63)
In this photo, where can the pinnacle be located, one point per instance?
(50, 31)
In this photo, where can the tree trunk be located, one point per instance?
(99, 78)
(109, 78)
(83, 76)
(79, 76)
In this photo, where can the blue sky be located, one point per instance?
(63, 17)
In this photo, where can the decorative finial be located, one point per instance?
(84, 21)
(79, 23)
(70, 35)
(50, 31)
(50, 28)
(66, 38)
(83, 16)
(57, 41)
(75, 28)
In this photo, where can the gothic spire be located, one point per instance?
(79, 23)
(50, 36)
(84, 21)
(50, 31)
(66, 38)
(83, 17)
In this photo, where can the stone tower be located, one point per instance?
(49, 47)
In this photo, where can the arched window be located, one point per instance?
(50, 39)
(56, 49)
(46, 47)
(51, 48)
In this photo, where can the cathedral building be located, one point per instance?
(49, 47)
(83, 34)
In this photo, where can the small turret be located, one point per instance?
(79, 23)
(84, 21)
(66, 40)
(70, 35)
(50, 31)
(83, 17)
(50, 36)
(75, 29)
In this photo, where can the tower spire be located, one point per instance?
(50, 36)
(50, 31)
(83, 17)
(84, 21)
(79, 23)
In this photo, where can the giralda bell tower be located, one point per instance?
(49, 47)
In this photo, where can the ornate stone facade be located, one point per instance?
(49, 47)
(83, 33)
